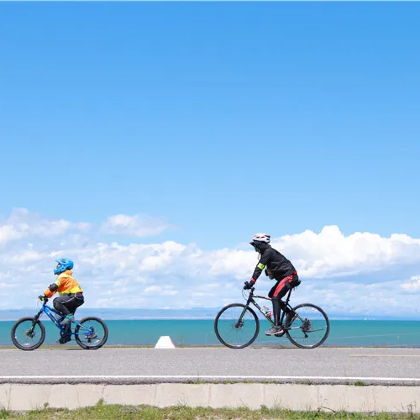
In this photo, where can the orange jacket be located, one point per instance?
(64, 284)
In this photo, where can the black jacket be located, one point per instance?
(279, 266)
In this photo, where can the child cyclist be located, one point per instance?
(277, 267)
(70, 295)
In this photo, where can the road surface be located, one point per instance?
(148, 365)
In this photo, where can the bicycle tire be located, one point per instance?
(218, 332)
(96, 346)
(16, 342)
(310, 305)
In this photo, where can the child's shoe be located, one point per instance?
(64, 340)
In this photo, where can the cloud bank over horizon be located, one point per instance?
(362, 273)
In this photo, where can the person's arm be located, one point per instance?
(258, 270)
(52, 289)
(260, 267)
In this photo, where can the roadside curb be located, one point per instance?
(297, 397)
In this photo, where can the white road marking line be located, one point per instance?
(215, 377)
(384, 355)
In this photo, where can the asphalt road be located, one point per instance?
(131, 365)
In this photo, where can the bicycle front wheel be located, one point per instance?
(28, 334)
(91, 333)
(236, 326)
(310, 328)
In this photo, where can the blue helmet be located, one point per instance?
(63, 265)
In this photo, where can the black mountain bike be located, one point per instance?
(237, 325)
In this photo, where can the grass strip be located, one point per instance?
(181, 412)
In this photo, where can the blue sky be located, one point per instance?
(223, 119)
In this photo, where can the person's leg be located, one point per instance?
(67, 305)
(279, 291)
(291, 314)
(60, 304)
(72, 304)
(270, 295)
(276, 311)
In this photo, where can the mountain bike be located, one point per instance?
(28, 333)
(237, 325)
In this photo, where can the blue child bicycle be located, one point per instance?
(28, 333)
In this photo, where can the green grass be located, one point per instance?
(359, 383)
(101, 411)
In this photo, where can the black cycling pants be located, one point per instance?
(67, 304)
(278, 291)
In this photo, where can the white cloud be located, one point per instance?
(412, 284)
(138, 225)
(24, 224)
(8, 233)
(234, 262)
(331, 254)
(361, 273)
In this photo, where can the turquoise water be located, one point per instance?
(200, 332)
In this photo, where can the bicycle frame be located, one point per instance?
(50, 312)
(251, 300)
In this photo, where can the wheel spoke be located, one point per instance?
(91, 333)
(27, 335)
(236, 328)
(311, 328)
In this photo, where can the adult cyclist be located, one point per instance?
(277, 267)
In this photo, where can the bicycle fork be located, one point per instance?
(240, 322)
(30, 332)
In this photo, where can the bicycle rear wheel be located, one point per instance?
(236, 326)
(28, 334)
(310, 328)
(91, 333)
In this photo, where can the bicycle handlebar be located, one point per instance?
(251, 290)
